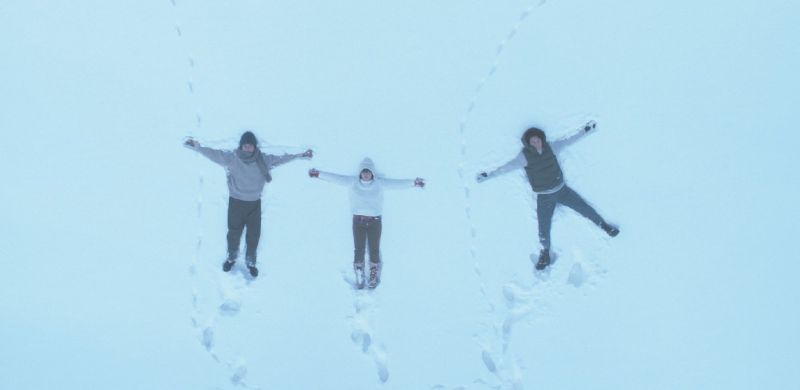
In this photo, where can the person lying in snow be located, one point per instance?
(248, 169)
(538, 157)
(366, 203)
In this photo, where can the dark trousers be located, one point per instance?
(367, 232)
(244, 214)
(546, 205)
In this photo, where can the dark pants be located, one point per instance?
(546, 205)
(367, 232)
(244, 214)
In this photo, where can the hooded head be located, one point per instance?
(533, 132)
(367, 165)
(248, 138)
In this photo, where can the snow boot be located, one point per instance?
(374, 275)
(610, 230)
(544, 259)
(251, 266)
(228, 264)
(360, 276)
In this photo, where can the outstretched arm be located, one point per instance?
(274, 161)
(221, 157)
(332, 177)
(559, 144)
(514, 164)
(402, 183)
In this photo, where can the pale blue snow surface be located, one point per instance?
(113, 233)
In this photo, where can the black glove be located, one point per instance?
(313, 172)
(191, 143)
(419, 182)
(308, 154)
(481, 177)
(590, 125)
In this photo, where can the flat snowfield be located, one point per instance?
(113, 234)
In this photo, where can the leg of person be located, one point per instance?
(545, 206)
(374, 240)
(253, 224)
(360, 243)
(236, 221)
(568, 197)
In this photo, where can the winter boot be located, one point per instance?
(610, 230)
(374, 275)
(544, 259)
(360, 276)
(251, 266)
(228, 264)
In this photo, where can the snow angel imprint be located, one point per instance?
(366, 203)
(248, 170)
(538, 157)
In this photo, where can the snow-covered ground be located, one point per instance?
(113, 233)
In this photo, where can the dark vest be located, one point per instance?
(543, 170)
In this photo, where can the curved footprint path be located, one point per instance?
(520, 299)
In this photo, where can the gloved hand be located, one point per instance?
(419, 182)
(308, 154)
(191, 143)
(313, 172)
(590, 125)
(481, 177)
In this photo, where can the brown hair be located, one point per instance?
(533, 132)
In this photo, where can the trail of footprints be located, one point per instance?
(231, 289)
(231, 302)
(364, 302)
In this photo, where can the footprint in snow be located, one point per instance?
(230, 308)
(489, 362)
(239, 374)
(361, 338)
(577, 275)
(380, 362)
(208, 338)
(383, 373)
